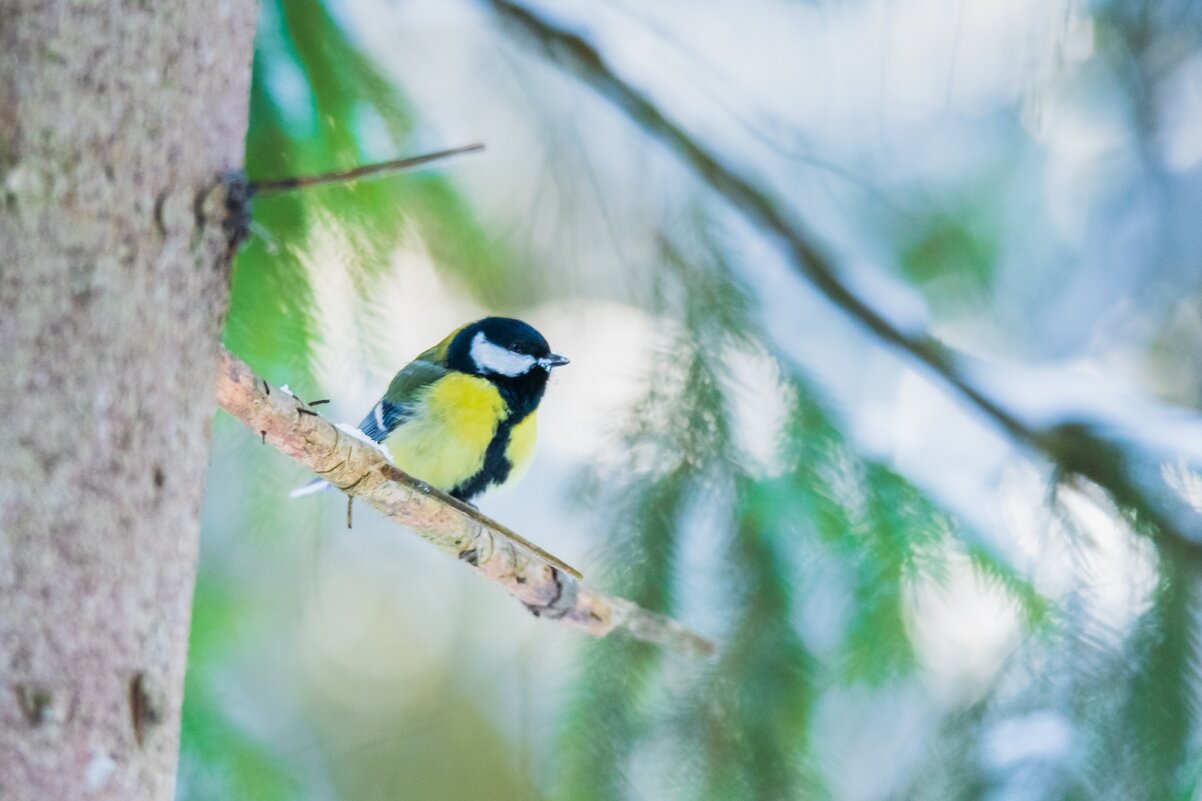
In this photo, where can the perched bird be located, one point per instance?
(461, 416)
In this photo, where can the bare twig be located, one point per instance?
(259, 188)
(537, 579)
(1076, 448)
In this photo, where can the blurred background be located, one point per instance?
(910, 600)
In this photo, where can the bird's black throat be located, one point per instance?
(522, 395)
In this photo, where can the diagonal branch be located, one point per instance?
(537, 579)
(1076, 448)
(273, 186)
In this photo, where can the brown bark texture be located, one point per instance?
(543, 583)
(115, 118)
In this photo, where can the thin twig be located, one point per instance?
(537, 579)
(274, 186)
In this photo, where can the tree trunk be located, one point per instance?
(115, 117)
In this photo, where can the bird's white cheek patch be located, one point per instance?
(492, 357)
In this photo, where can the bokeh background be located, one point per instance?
(910, 600)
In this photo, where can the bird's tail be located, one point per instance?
(316, 485)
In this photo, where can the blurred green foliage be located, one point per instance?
(951, 258)
(699, 528)
(313, 101)
(313, 97)
(219, 760)
(742, 726)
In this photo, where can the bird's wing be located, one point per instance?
(397, 405)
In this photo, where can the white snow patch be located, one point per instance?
(353, 431)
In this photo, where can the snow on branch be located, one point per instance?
(540, 581)
(1126, 460)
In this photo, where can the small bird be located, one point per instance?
(461, 416)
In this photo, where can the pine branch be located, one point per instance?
(1077, 448)
(537, 579)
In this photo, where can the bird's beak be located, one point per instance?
(552, 360)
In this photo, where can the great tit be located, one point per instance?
(461, 416)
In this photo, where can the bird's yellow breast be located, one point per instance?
(521, 446)
(445, 442)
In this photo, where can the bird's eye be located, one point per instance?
(519, 349)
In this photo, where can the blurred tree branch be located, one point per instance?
(1076, 448)
(535, 578)
(273, 186)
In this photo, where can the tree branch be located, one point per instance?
(273, 186)
(537, 579)
(1076, 448)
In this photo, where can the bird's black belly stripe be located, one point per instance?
(496, 464)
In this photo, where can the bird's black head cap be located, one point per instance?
(511, 354)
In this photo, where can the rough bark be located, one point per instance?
(115, 117)
(540, 581)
